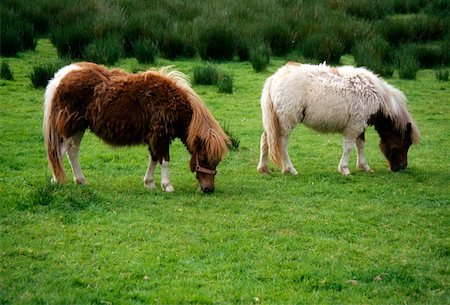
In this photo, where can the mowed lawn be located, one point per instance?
(319, 238)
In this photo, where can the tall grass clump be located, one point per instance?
(215, 40)
(5, 71)
(407, 65)
(259, 53)
(400, 29)
(106, 50)
(376, 54)
(225, 82)
(145, 51)
(367, 9)
(235, 141)
(442, 75)
(42, 73)
(206, 75)
(278, 36)
(323, 46)
(72, 39)
(174, 44)
(431, 54)
(73, 29)
(45, 71)
(16, 32)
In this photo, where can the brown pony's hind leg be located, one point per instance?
(73, 147)
(149, 181)
(361, 160)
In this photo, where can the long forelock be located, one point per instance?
(206, 129)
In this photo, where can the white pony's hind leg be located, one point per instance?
(148, 178)
(263, 158)
(349, 143)
(73, 149)
(287, 165)
(361, 160)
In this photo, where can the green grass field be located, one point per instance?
(319, 238)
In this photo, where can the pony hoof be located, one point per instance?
(150, 185)
(344, 171)
(263, 169)
(365, 168)
(293, 171)
(168, 188)
(82, 181)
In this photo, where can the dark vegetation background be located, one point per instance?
(381, 35)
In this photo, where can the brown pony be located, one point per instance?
(122, 109)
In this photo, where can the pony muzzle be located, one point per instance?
(205, 177)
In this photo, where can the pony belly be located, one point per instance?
(120, 134)
(326, 120)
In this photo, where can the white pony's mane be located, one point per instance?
(392, 102)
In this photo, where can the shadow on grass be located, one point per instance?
(64, 197)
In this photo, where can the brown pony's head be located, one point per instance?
(205, 170)
(395, 146)
(207, 149)
(205, 139)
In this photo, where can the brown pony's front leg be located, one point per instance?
(160, 152)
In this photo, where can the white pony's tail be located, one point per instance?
(52, 138)
(271, 125)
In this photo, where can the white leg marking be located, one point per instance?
(343, 164)
(165, 182)
(263, 157)
(72, 152)
(287, 164)
(148, 178)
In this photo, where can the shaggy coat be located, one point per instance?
(150, 108)
(340, 100)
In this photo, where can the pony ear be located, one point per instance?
(408, 133)
(408, 127)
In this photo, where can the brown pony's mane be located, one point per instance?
(203, 126)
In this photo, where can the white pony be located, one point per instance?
(341, 100)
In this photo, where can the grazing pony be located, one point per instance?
(122, 109)
(344, 100)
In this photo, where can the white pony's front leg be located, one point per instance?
(361, 160)
(343, 164)
(287, 164)
(165, 182)
(263, 157)
(148, 178)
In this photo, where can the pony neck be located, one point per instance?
(384, 125)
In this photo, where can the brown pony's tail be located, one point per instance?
(271, 125)
(52, 138)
